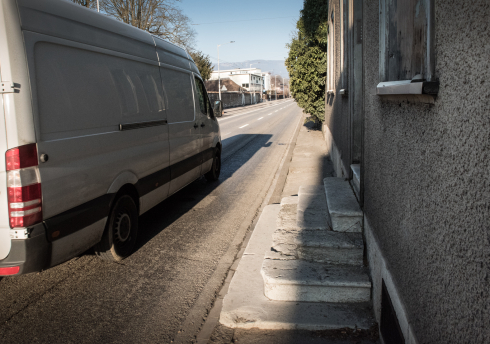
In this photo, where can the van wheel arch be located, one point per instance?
(214, 173)
(119, 237)
(130, 190)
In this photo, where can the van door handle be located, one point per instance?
(195, 125)
(202, 125)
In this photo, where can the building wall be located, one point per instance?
(337, 107)
(241, 76)
(266, 81)
(427, 180)
(425, 177)
(232, 99)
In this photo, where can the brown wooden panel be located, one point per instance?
(419, 52)
(406, 38)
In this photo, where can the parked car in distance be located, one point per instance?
(100, 121)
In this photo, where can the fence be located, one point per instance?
(234, 99)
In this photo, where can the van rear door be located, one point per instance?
(4, 224)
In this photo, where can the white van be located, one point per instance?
(99, 122)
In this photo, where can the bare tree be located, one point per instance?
(160, 17)
(86, 3)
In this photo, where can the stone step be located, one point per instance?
(317, 246)
(343, 208)
(290, 200)
(258, 312)
(299, 280)
(312, 212)
(286, 219)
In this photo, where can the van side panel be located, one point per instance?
(183, 130)
(67, 20)
(83, 96)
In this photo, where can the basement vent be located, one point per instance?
(389, 326)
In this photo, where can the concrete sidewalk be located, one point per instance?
(248, 316)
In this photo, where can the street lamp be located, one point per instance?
(251, 80)
(219, 74)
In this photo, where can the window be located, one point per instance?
(331, 54)
(202, 97)
(178, 88)
(406, 37)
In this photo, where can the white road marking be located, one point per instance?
(243, 126)
(241, 114)
(260, 118)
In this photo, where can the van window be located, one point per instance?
(79, 90)
(201, 92)
(178, 87)
(204, 103)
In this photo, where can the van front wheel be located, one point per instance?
(120, 233)
(216, 168)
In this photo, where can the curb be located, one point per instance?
(212, 319)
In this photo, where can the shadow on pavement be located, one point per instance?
(237, 151)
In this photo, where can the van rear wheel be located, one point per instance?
(216, 168)
(120, 233)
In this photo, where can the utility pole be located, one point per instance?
(98, 9)
(219, 74)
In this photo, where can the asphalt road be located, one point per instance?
(163, 292)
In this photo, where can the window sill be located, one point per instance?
(406, 90)
(407, 87)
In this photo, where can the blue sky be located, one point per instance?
(254, 40)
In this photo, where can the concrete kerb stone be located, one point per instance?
(289, 200)
(286, 219)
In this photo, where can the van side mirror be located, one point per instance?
(218, 108)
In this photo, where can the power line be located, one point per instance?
(234, 21)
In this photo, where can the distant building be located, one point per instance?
(250, 79)
(227, 85)
(266, 81)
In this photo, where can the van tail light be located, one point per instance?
(13, 270)
(23, 186)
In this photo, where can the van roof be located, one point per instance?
(48, 17)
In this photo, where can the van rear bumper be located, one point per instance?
(30, 254)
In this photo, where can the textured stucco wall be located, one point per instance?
(337, 107)
(427, 178)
